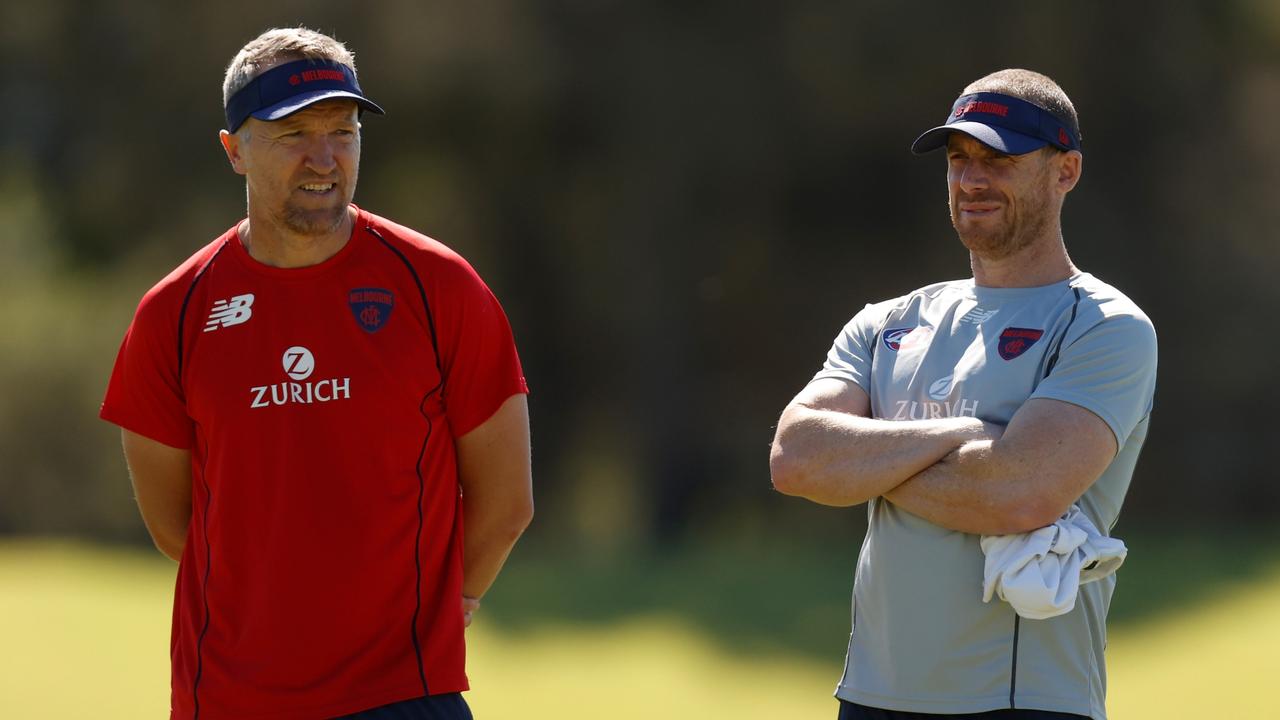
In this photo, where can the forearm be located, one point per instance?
(1045, 460)
(980, 488)
(836, 458)
(494, 469)
(161, 478)
(489, 534)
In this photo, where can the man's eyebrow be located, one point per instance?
(296, 121)
(287, 123)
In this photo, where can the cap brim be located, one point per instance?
(998, 138)
(297, 102)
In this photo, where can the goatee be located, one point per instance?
(1023, 224)
(313, 222)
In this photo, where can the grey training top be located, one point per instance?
(923, 640)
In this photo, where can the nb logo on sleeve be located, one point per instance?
(226, 313)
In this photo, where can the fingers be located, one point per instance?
(469, 606)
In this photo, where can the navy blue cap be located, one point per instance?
(1009, 124)
(288, 88)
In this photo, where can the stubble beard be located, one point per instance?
(312, 221)
(317, 222)
(1024, 223)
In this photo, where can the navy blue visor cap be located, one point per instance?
(1008, 124)
(286, 89)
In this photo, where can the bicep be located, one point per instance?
(494, 457)
(824, 395)
(1063, 446)
(835, 395)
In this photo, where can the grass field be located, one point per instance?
(84, 633)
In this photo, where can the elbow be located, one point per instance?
(170, 538)
(1046, 511)
(787, 472)
(1028, 515)
(171, 545)
(780, 470)
(525, 517)
(519, 516)
(798, 469)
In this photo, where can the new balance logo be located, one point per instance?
(978, 315)
(226, 313)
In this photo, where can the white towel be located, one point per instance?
(1040, 572)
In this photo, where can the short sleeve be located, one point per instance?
(145, 393)
(851, 353)
(478, 352)
(1109, 370)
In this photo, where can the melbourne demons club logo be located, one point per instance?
(371, 307)
(1015, 341)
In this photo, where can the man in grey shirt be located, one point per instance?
(984, 406)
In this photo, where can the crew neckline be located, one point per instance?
(242, 254)
(986, 292)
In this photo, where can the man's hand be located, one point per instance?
(469, 606)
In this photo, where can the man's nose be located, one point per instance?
(972, 175)
(320, 155)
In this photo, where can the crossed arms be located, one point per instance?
(959, 472)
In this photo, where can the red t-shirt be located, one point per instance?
(322, 573)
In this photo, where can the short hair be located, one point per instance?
(277, 45)
(1037, 89)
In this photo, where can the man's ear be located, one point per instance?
(1070, 165)
(233, 145)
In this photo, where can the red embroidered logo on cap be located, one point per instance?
(313, 75)
(1063, 138)
(294, 79)
(989, 108)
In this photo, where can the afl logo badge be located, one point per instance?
(893, 337)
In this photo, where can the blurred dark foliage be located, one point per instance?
(679, 204)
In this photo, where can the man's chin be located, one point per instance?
(986, 245)
(314, 222)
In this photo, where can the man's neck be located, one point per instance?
(272, 244)
(1043, 262)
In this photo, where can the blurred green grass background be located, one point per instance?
(716, 631)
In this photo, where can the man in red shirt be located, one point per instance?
(313, 406)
